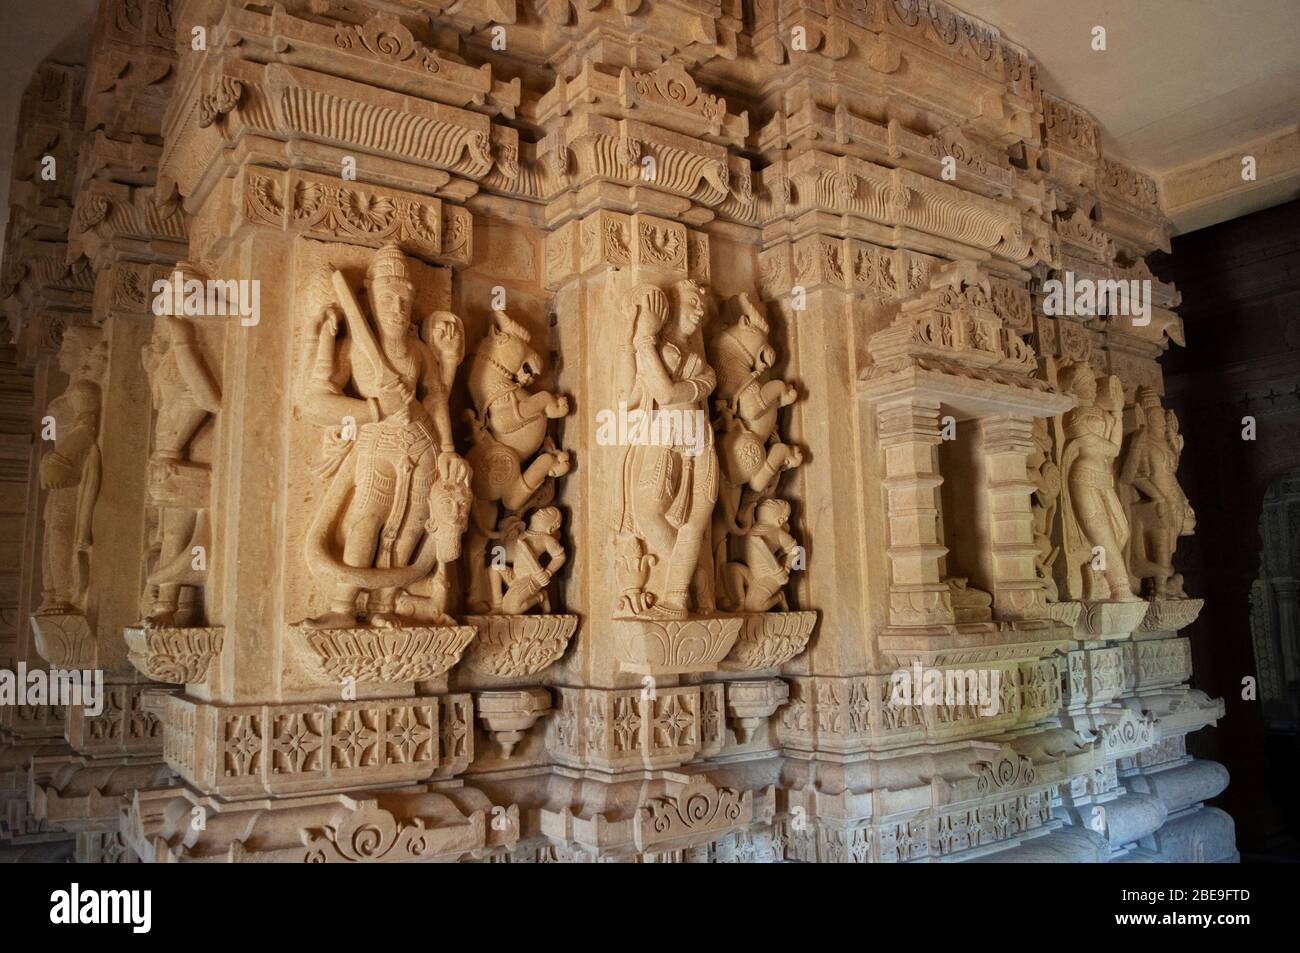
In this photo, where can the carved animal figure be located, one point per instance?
(510, 424)
(748, 403)
(508, 429)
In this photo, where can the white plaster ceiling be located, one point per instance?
(31, 31)
(1181, 82)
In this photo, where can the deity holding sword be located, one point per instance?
(399, 496)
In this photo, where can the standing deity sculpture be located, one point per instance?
(754, 551)
(186, 395)
(1094, 528)
(515, 465)
(1158, 509)
(1045, 475)
(669, 484)
(399, 495)
(70, 473)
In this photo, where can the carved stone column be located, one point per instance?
(1017, 590)
(909, 436)
(45, 291)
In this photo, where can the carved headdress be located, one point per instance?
(388, 262)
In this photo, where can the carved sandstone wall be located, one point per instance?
(587, 412)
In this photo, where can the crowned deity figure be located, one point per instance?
(399, 496)
(669, 486)
(1095, 527)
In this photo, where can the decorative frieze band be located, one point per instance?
(333, 209)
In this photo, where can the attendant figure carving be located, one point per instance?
(1046, 477)
(1158, 508)
(1094, 526)
(185, 395)
(669, 486)
(70, 473)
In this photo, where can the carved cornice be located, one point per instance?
(667, 97)
(816, 182)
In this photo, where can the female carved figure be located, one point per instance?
(185, 394)
(669, 488)
(1095, 530)
(70, 472)
(1159, 509)
(399, 484)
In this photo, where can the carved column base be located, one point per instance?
(1096, 677)
(769, 639)
(372, 654)
(235, 751)
(127, 725)
(675, 646)
(1156, 663)
(1109, 621)
(173, 655)
(1170, 615)
(513, 646)
(65, 640)
(636, 728)
(1066, 613)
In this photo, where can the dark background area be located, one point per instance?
(1240, 282)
